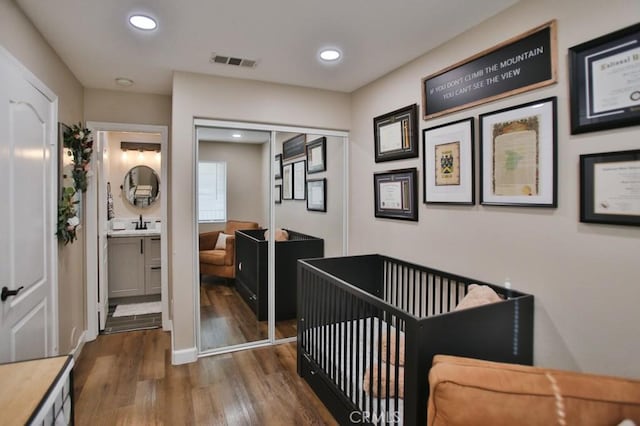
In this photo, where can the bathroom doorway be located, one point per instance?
(126, 211)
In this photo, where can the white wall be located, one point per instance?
(584, 276)
(245, 197)
(120, 165)
(220, 98)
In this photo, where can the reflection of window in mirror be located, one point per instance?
(141, 186)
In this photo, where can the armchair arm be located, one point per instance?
(230, 250)
(208, 240)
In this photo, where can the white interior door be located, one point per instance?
(27, 313)
(103, 224)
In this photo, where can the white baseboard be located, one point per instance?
(184, 356)
(75, 352)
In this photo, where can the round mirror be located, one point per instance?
(141, 186)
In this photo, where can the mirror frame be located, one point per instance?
(125, 187)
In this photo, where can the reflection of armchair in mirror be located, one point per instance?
(141, 186)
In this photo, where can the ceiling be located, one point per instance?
(95, 40)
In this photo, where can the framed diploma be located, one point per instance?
(448, 163)
(299, 178)
(396, 134)
(317, 195)
(287, 182)
(396, 194)
(277, 194)
(518, 165)
(277, 166)
(317, 155)
(610, 188)
(605, 81)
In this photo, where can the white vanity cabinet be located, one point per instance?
(134, 266)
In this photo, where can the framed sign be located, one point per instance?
(448, 163)
(317, 195)
(610, 188)
(317, 155)
(518, 165)
(523, 63)
(396, 194)
(605, 85)
(294, 147)
(277, 166)
(287, 182)
(396, 134)
(299, 178)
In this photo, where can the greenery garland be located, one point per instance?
(77, 140)
(80, 145)
(67, 218)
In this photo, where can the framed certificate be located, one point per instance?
(317, 155)
(518, 164)
(396, 134)
(605, 81)
(287, 182)
(317, 195)
(396, 194)
(299, 178)
(277, 166)
(610, 188)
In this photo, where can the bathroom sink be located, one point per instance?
(133, 232)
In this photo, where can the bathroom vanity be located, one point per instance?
(134, 263)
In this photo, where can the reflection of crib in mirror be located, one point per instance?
(252, 271)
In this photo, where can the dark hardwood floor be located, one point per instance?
(128, 379)
(225, 319)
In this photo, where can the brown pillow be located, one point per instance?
(391, 342)
(478, 295)
(383, 380)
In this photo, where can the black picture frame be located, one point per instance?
(616, 103)
(396, 194)
(299, 179)
(449, 163)
(277, 194)
(294, 147)
(608, 192)
(396, 134)
(277, 166)
(317, 155)
(287, 181)
(518, 155)
(317, 195)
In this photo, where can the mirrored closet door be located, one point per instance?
(267, 197)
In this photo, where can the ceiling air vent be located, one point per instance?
(231, 60)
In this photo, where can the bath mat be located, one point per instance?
(137, 309)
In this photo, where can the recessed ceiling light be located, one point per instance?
(236, 135)
(124, 82)
(143, 22)
(330, 55)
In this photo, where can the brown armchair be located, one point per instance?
(221, 263)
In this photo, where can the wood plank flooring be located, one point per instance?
(128, 379)
(226, 319)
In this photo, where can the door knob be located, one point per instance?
(6, 292)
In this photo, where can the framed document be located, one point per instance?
(277, 194)
(294, 147)
(448, 163)
(317, 155)
(610, 188)
(396, 194)
(317, 195)
(396, 134)
(277, 166)
(287, 182)
(299, 177)
(605, 81)
(518, 165)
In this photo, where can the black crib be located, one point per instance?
(349, 306)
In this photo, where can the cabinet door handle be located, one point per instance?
(155, 239)
(155, 268)
(141, 246)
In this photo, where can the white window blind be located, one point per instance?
(212, 191)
